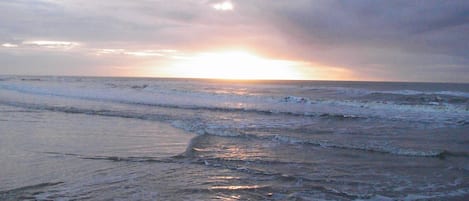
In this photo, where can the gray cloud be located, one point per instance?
(384, 36)
(372, 23)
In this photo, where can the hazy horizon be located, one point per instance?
(235, 80)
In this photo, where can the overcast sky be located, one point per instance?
(406, 40)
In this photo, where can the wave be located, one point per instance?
(364, 91)
(341, 116)
(198, 127)
(352, 90)
(115, 158)
(383, 149)
(442, 154)
(424, 99)
(377, 107)
(418, 99)
(419, 108)
(415, 92)
(26, 192)
(203, 129)
(296, 99)
(262, 111)
(99, 112)
(191, 125)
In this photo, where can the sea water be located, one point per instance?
(88, 138)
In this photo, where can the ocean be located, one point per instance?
(98, 138)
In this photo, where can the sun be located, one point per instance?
(239, 65)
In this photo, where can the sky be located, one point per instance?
(379, 40)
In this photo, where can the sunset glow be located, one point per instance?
(286, 39)
(234, 65)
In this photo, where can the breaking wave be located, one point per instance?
(385, 149)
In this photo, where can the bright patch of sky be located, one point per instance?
(223, 6)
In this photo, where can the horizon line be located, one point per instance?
(234, 80)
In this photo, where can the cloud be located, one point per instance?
(43, 44)
(137, 53)
(371, 36)
(9, 45)
(51, 44)
(389, 40)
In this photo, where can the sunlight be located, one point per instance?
(234, 65)
(223, 6)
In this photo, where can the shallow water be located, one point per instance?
(81, 138)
